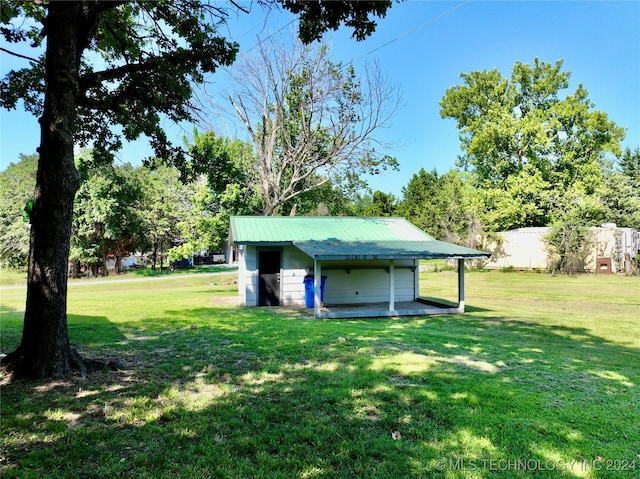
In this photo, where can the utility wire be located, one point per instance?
(269, 37)
(428, 22)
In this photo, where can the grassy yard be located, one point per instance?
(541, 377)
(10, 277)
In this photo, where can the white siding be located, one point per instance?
(295, 265)
(294, 269)
(368, 282)
(347, 282)
(242, 273)
(521, 248)
(248, 275)
(526, 248)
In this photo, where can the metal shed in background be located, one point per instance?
(370, 264)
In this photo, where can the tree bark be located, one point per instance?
(44, 351)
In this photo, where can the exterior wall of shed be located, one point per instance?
(612, 242)
(292, 273)
(348, 282)
(357, 282)
(295, 266)
(247, 276)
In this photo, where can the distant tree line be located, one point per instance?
(530, 156)
(121, 209)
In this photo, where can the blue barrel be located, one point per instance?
(309, 290)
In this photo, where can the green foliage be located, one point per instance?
(441, 205)
(318, 17)
(212, 212)
(522, 140)
(629, 164)
(523, 201)
(229, 189)
(569, 240)
(508, 124)
(325, 200)
(17, 183)
(183, 251)
(106, 214)
(222, 160)
(620, 197)
(149, 55)
(377, 204)
(164, 210)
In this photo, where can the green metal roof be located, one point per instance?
(342, 237)
(274, 229)
(361, 250)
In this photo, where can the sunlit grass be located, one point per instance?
(541, 370)
(12, 277)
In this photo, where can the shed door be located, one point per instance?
(269, 277)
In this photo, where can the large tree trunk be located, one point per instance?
(45, 351)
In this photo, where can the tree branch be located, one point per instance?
(239, 7)
(35, 60)
(97, 78)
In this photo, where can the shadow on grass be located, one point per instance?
(93, 331)
(6, 310)
(88, 332)
(252, 393)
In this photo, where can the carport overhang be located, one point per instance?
(336, 250)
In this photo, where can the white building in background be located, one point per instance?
(610, 249)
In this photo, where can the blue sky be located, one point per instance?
(423, 49)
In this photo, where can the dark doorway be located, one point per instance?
(269, 277)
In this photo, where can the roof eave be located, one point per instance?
(365, 257)
(266, 244)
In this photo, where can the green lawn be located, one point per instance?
(540, 378)
(9, 277)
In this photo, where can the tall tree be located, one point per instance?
(166, 204)
(439, 204)
(147, 72)
(527, 127)
(629, 165)
(620, 198)
(106, 215)
(227, 190)
(311, 121)
(105, 63)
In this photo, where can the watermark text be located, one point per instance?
(460, 464)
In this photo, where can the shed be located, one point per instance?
(371, 265)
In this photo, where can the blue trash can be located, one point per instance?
(309, 290)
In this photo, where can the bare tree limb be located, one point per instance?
(311, 121)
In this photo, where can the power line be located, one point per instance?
(428, 22)
(268, 37)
